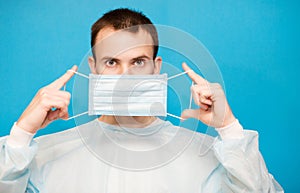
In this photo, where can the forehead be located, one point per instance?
(110, 42)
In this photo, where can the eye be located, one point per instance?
(139, 62)
(110, 63)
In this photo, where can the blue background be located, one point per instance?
(255, 43)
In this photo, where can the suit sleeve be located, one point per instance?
(242, 167)
(16, 154)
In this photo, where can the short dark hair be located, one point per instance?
(127, 19)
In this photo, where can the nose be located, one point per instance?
(124, 69)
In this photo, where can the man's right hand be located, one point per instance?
(39, 112)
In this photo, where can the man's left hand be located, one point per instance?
(214, 110)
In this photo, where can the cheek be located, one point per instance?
(147, 69)
(102, 69)
(99, 68)
(110, 71)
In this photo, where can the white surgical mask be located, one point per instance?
(128, 95)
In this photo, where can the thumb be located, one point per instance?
(190, 113)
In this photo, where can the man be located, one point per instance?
(125, 42)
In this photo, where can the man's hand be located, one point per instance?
(39, 112)
(214, 110)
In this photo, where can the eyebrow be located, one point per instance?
(109, 58)
(105, 58)
(141, 57)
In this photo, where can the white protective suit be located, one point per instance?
(71, 161)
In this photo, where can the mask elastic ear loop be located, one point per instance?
(78, 115)
(175, 76)
(82, 75)
(175, 116)
(180, 74)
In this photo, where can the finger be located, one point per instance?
(190, 113)
(203, 91)
(202, 103)
(195, 95)
(204, 107)
(203, 100)
(65, 116)
(62, 94)
(201, 94)
(51, 101)
(52, 115)
(60, 82)
(195, 77)
(205, 97)
(50, 93)
(58, 113)
(63, 112)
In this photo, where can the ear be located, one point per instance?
(157, 64)
(92, 65)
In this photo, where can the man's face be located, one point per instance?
(124, 52)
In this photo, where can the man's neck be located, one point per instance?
(127, 121)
